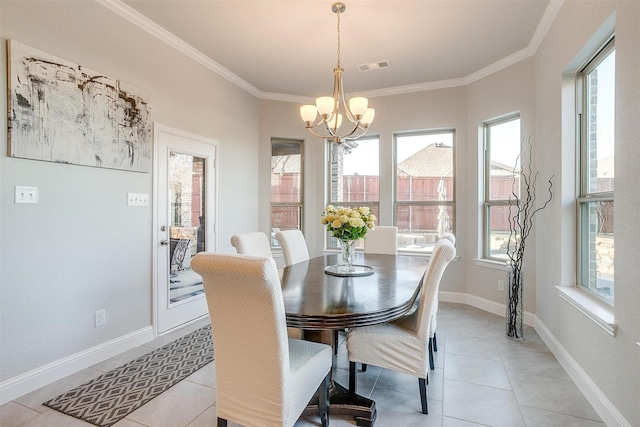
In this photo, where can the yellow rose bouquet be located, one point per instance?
(348, 224)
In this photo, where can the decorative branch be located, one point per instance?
(521, 222)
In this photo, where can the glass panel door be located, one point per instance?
(185, 223)
(187, 198)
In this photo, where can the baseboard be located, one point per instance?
(483, 304)
(607, 411)
(33, 380)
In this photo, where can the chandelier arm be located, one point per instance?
(331, 133)
(319, 135)
(315, 125)
(350, 137)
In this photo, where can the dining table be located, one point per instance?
(384, 288)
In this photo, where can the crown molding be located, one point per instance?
(154, 29)
(165, 36)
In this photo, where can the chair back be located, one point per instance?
(449, 236)
(255, 243)
(381, 240)
(452, 238)
(294, 246)
(443, 254)
(249, 331)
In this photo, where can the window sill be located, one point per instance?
(487, 263)
(599, 313)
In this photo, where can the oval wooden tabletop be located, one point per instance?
(315, 300)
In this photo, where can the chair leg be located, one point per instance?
(323, 404)
(335, 342)
(431, 364)
(222, 422)
(352, 378)
(363, 367)
(435, 342)
(422, 382)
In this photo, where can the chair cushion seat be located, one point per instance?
(389, 345)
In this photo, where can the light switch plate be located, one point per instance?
(27, 195)
(137, 199)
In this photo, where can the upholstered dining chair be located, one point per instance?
(257, 244)
(401, 345)
(294, 246)
(254, 243)
(263, 378)
(383, 239)
(433, 339)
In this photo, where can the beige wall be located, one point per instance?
(81, 249)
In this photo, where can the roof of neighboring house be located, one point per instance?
(433, 160)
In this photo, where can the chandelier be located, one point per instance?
(328, 108)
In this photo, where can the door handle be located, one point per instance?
(164, 242)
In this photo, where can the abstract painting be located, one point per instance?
(63, 112)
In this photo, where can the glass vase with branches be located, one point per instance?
(522, 211)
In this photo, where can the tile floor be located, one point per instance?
(481, 379)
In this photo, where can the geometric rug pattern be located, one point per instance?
(110, 397)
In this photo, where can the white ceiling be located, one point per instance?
(287, 49)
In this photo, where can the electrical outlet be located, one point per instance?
(501, 285)
(100, 317)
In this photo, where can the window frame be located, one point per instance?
(584, 197)
(429, 203)
(330, 242)
(488, 202)
(299, 205)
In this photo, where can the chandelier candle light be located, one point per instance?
(328, 107)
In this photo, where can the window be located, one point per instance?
(354, 176)
(424, 188)
(501, 183)
(286, 186)
(596, 113)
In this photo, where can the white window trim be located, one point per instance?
(582, 196)
(395, 203)
(601, 314)
(491, 263)
(487, 260)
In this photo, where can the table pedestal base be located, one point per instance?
(341, 401)
(344, 403)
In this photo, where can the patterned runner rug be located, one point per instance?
(112, 396)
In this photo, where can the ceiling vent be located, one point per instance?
(374, 66)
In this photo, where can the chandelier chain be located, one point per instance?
(338, 12)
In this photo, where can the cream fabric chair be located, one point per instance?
(402, 345)
(263, 378)
(381, 240)
(294, 246)
(433, 340)
(255, 243)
